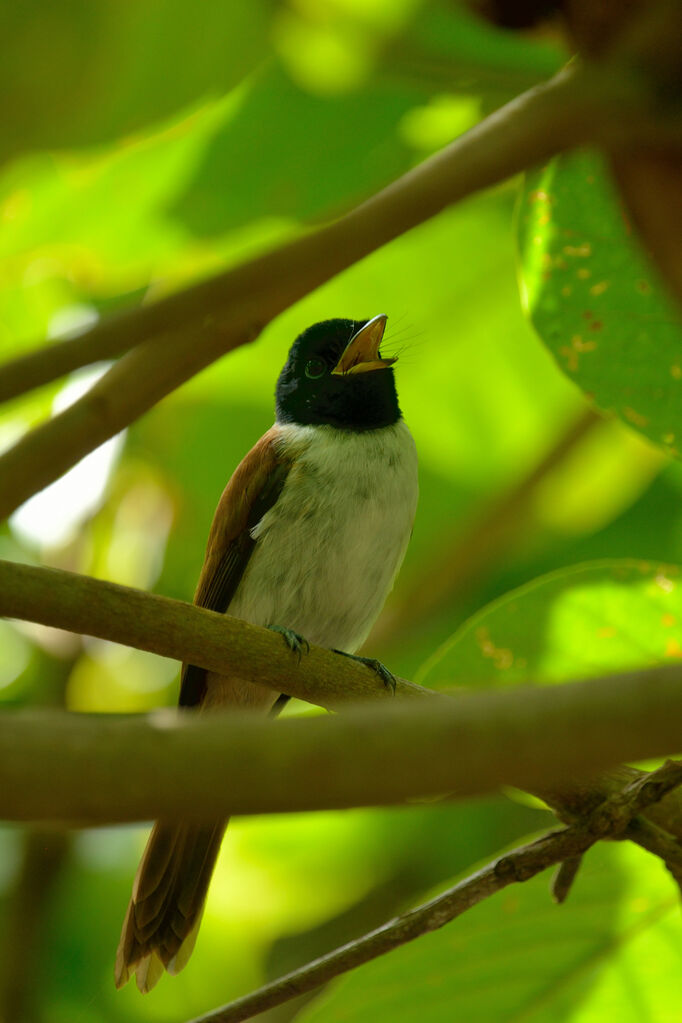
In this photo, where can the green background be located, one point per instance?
(146, 147)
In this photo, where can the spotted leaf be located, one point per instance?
(595, 299)
(578, 622)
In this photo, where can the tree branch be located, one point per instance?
(658, 842)
(136, 766)
(562, 882)
(566, 847)
(104, 768)
(520, 865)
(172, 628)
(183, 333)
(49, 362)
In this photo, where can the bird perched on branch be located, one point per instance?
(307, 539)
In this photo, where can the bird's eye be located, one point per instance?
(315, 368)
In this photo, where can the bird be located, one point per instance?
(307, 540)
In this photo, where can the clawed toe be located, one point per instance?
(380, 669)
(296, 643)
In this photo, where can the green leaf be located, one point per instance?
(301, 161)
(586, 620)
(612, 951)
(596, 301)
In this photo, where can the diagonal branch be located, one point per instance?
(172, 628)
(520, 865)
(49, 362)
(565, 846)
(177, 337)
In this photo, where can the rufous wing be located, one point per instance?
(252, 490)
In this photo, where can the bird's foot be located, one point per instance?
(293, 640)
(380, 669)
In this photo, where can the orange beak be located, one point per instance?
(362, 351)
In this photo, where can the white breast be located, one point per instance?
(328, 551)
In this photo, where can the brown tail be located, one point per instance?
(164, 914)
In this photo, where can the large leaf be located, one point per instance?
(520, 957)
(286, 152)
(580, 621)
(91, 228)
(595, 299)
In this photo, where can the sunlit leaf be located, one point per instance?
(596, 301)
(612, 948)
(576, 622)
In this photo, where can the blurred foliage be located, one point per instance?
(150, 144)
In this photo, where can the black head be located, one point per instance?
(335, 376)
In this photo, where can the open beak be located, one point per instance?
(362, 351)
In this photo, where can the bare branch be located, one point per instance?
(617, 816)
(567, 847)
(104, 768)
(616, 812)
(520, 865)
(185, 632)
(562, 882)
(136, 766)
(49, 362)
(638, 796)
(182, 334)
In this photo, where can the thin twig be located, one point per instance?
(182, 334)
(641, 794)
(566, 847)
(616, 812)
(562, 882)
(517, 866)
(618, 816)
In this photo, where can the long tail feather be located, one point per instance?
(168, 898)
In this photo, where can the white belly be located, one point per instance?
(328, 551)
